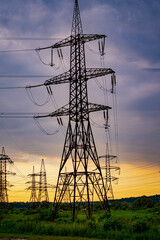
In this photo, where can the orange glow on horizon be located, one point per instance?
(133, 181)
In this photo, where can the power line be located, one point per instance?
(143, 178)
(143, 166)
(20, 115)
(25, 76)
(43, 130)
(17, 50)
(28, 38)
(19, 172)
(139, 185)
(30, 95)
(5, 88)
(23, 39)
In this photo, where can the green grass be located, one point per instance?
(38, 237)
(119, 225)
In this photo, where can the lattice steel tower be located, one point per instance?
(43, 193)
(109, 178)
(4, 160)
(79, 146)
(33, 187)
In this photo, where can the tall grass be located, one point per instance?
(105, 226)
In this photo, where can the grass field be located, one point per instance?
(35, 224)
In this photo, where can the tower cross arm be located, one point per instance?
(5, 157)
(91, 37)
(63, 111)
(62, 78)
(93, 107)
(71, 39)
(90, 73)
(98, 72)
(33, 174)
(108, 156)
(10, 173)
(63, 43)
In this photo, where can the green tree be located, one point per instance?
(142, 203)
(125, 205)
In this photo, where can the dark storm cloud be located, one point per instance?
(132, 49)
(152, 69)
(147, 106)
(136, 25)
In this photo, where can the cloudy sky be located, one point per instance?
(132, 50)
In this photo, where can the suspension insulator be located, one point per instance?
(51, 58)
(61, 54)
(99, 46)
(50, 89)
(47, 89)
(58, 53)
(103, 46)
(113, 82)
(61, 121)
(107, 115)
(104, 114)
(58, 121)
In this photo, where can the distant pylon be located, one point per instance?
(43, 193)
(109, 178)
(4, 159)
(33, 187)
(108, 175)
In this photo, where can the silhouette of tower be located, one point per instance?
(109, 157)
(109, 178)
(84, 176)
(4, 160)
(43, 193)
(33, 187)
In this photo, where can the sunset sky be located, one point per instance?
(132, 51)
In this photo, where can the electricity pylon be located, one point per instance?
(109, 178)
(33, 187)
(109, 157)
(4, 160)
(43, 193)
(79, 150)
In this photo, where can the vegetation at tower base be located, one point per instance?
(142, 224)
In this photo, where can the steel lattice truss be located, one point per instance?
(4, 160)
(33, 186)
(43, 193)
(79, 150)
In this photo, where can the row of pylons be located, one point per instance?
(40, 186)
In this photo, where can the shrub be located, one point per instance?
(140, 226)
(97, 206)
(124, 205)
(103, 216)
(91, 225)
(112, 224)
(116, 205)
(81, 219)
(142, 203)
(44, 214)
